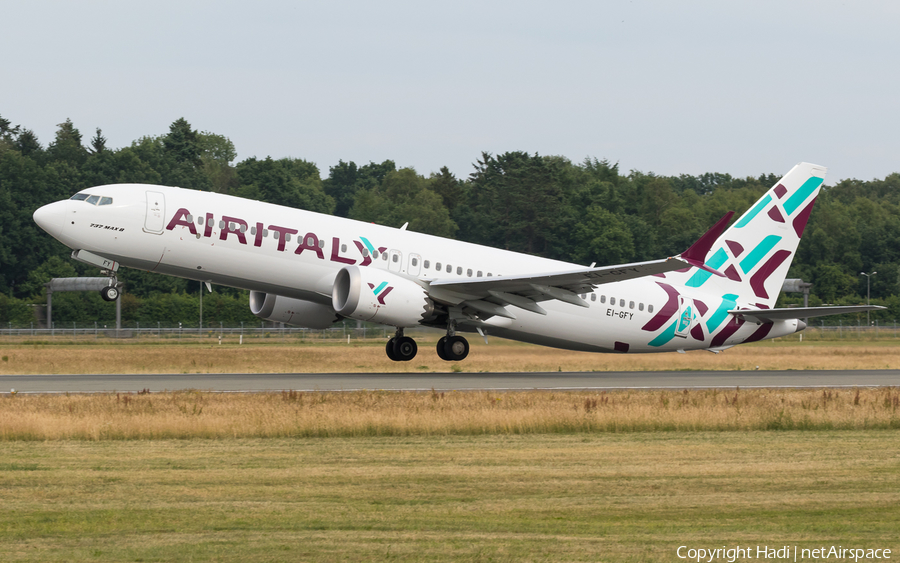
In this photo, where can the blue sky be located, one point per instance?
(665, 87)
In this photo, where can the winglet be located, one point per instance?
(696, 254)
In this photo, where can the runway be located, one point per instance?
(446, 381)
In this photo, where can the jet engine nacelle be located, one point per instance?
(291, 311)
(378, 296)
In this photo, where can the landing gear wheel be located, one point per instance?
(442, 354)
(109, 293)
(389, 349)
(405, 349)
(456, 348)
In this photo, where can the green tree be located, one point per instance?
(602, 237)
(346, 180)
(217, 153)
(403, 197)
(287, 181)
(67, 145)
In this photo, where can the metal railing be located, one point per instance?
(347, 332)
(99, 331)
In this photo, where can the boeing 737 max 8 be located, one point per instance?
(311, 270)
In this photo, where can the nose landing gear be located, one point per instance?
(110, 292)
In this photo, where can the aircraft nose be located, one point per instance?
(51, 217)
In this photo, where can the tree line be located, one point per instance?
(583, 212)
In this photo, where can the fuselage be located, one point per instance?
(258, 246)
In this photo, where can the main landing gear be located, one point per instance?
(401, 348)
(451, 348)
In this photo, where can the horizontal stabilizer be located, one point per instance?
(771, 315)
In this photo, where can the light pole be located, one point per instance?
(868, 292)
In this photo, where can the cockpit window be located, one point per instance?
(93, 199)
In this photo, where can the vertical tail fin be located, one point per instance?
(756, 251)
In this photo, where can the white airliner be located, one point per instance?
(311, 270)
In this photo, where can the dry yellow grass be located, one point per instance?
(380, 413)
(498, 356)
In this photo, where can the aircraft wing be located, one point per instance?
(770, 315)
(492, 295)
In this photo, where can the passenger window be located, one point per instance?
(221, 224)
(93, 199)
(199, 220)
(649, 308)
(365, 252)
(603, 299)
(480, 274)
(437, 266)
(584, 296)
(640, 306)
(449, 268)
(469, 272)
(384, 256)
(459, 270)
(621, 302)
(343, 248)
(321, 243)
(593, 297)
(427, 264)
(375, 254)
(612, 301)
(79, 197)
(265, 233)
(310, 241)
(275, 235)
(490, 275)
(190, 218)
(108, 201)
(252, 230)
(631, 304)
(287, 237)
(415, 261)
(395, 258)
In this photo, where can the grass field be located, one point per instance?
(387, 476)
(581, 497)
(166, 356)
(189, 415)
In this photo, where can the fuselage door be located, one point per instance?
(395, 260)
(685, 316)
(154, 222)
(415, 265)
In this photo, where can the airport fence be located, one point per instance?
(349, 331)
(346, 331)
